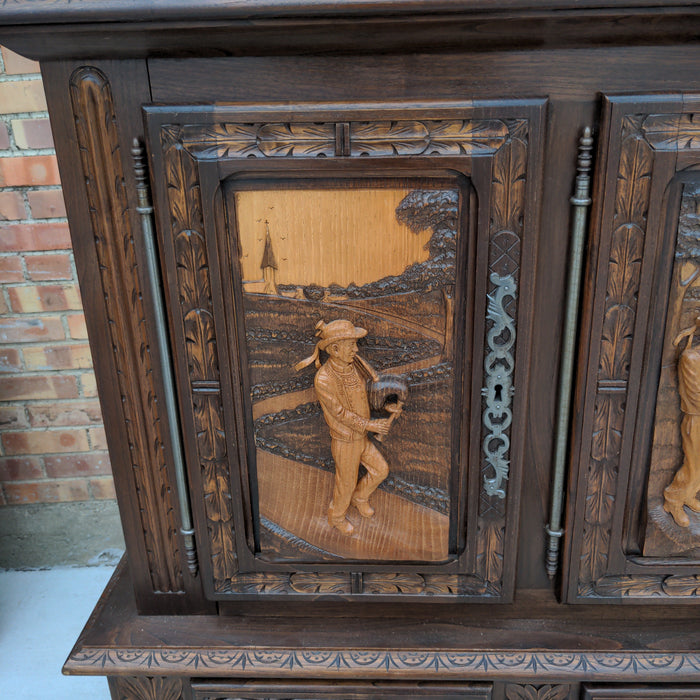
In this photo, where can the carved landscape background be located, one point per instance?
(409, 318)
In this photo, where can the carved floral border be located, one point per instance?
(642, 137)
(506, 141)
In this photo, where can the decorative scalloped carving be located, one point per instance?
(423, 663)
(96, 130)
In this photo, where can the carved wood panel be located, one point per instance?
(640, 165)
(96, 130)
(146, 688)
(506, 144)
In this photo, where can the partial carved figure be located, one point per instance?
(341, 388)
(684, 488)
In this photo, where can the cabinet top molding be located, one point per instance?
(78, 29)
(62, 11)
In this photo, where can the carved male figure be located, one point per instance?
(684, 488)
(340, 385)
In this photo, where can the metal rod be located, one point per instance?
(145, 209)
(580, 203)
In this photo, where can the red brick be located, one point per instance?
(10, 268)
(102, 488)
(47, 491)
(26, 330)
(46, 204)
(32, 133)
(39, 442)
(16, 64)
(20, 468)
(12, 418)
(98, 439)
(4, 309)
(45, 297)
(45, 236)
(77, 327)
(53, 266)
(21, 171)
(12, 206)
(65, 414)
(10, 360)
(23, 387)
(88, 384)
(4, 137)
(90, 464)
(49, 357)
(22, 96)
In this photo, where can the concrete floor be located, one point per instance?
(41, 616)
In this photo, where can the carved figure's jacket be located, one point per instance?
(343, 398)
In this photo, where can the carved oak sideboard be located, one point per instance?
(394, 309)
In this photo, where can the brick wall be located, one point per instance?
(52, 443)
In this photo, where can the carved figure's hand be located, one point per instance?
(379, 426)
(394, 407)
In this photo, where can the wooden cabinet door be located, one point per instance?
(633, 530)
(640, 692)
(410, 232)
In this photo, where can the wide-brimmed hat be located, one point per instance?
(340, 329)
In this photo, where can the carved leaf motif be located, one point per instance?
(145, 688)
(600, 499)
(300, 140)
(634, 182)
(200, 342)
(682, 585)
(626, 251)
(310, 582)
(441, 584)
(644, 586)
(616, 342)
(261, 583)
(215, 486)
(466, 137)
(508, 187)
(192, 270)
(490, 549)
(532, 692)
(393, 583)
(388, 138)
(223, 550)
(671, 132)
(211, 437)
(594, 557)
(223, 140)
(607, 426)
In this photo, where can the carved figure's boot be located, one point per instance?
(343, 525)
(674, 508)
(364, 508)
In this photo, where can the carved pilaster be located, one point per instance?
(96, 131)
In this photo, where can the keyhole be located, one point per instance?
(498, 389)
